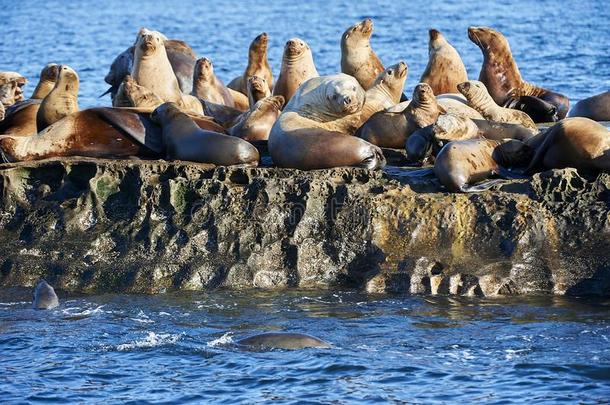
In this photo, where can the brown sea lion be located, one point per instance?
(423, 110)
(131, 94)
(258, 65)
(222, 114)
(184, 140)
(357, 57)
(445, 69)
(297, 68)
(207, 86)
(596, 108)
(386, 90)
(311, 131)
(11, 88)
(61, 101)
(20, 118)
(479, 99)
(501, 75)
(461, 164)
(538, 109)
(256, 124)
(576, 142)
(385, 129)
(257, 90)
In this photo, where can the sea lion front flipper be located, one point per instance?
(135, 124)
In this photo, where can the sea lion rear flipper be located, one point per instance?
(419, 173)
(135, 124)
(549, 136)
(482, 186)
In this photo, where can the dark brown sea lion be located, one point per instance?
(61, 101)
(311, 133)
(596, 108)
(576, 142)
(258, 65)
(184, 140)
(538, 109)
(20, 118)
(357, 57)
(207, 86)
(501, 75)
(297, 68)
(257, 90)
(222, 114)
(445, 69)
(255, 125)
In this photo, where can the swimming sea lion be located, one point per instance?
(596, 108)
(386, 90)
(501, 75)
(20, 118)
(288, 341)
(311, 131)
(61, 101)
(255, 125)
(11, 88)
(258, 65)
(576, 142)
(131, 94)
(357, 57)
(44, 296)
(297, 68)
(257, 90)
(479, 99)
(207, 86)
(461, 164)
(184, 140)
(423, 110)
(445, 69)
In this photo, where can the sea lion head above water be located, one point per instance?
(486, 38)
(44, 296)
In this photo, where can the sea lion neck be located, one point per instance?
(43, 88)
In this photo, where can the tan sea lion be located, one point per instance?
(386, 90)
(596, 108)
(458, 106)
(61, 101)
(501, 75)
(258, 65)
(257, 90)
(2, 112)
(357, 57)
(297, 68)
(461, 164)
(184, 140)
(240, 100)
(11, 88)
(20, 118)
(311, 131)
(445, 69)
(386, 129)
(256, 124)
(576, 142)
(479, 99)
(207, 86)
(287, 341)
(423, 110)
(131, 94)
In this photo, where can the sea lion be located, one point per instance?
(386, 129)
(596, 108)
(423, 110)
(11, 88)
(311, 131)
(2, 112)
(207, 86)
(287, 341)
(386, 90)
(575, 142)
(61, 101)
(461, 164)
(222, 114)
(297, 68)
(501, 75)
(255, 125)
(445, 69)
(20, 118)
(131, 94)
(257, 90)
(537, 109)
(479, 99)
(357, 57)
(44, 296)
(185, 140)
(258, 65)
(460, 108)
(240, 100)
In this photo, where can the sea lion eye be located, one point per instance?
(390, 72)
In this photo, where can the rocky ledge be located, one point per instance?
(136, 226)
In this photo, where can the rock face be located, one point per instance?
(152, 226)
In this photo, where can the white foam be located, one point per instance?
(224, 340)
(151, 340)
(77, 311)
(142, 318)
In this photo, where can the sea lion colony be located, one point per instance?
(169, 104)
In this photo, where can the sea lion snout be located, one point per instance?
(366, 26)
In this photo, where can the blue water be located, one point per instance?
(178, 348)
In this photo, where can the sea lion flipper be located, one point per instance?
(135, 124)
(420, 173)
(482, 186)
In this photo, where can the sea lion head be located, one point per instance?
(67, 79)
(295, 48)
(49, 72)
(44, 296)
(513, 153)
(361, 31)
(11, 88)
(485, 38)
(260, 43)
(472, 89)
(344, 96)
(437, 40)
(393, 78)
(121, 65)
(204, 70)
(148, 42)
(423, 94)
(258, 87)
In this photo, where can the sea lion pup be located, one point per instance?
(423, 110)
(184, 140)
(576, 142)
(297, 68)
(11, 88)
(258, 65)
(21, 117)
(501, 75)
(445, 69)
(386, 91)
(311, 131)
(596, 108)
(131, 94)
(44, 296)
(207, 86)
(61, 101)
(287, 341)
(257, 90)
(479, 99)
(357, 57)
(461, 164)
(255, 125)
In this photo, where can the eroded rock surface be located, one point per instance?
(151, 226)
